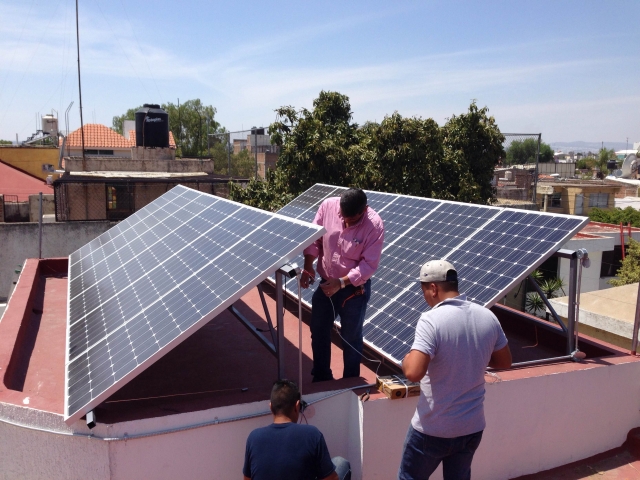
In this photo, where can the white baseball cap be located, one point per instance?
(438, 271)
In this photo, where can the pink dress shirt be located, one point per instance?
(352, 251)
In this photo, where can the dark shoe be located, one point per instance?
(322, 379)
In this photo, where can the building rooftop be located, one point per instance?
(197, 404)
(16, 182)
(101, 136)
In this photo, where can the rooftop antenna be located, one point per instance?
(84, 162)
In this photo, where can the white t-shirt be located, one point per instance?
(459, 337)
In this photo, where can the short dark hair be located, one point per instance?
(448, 286)
(352, 202)
(284, 396)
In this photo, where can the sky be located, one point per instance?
(567, 69)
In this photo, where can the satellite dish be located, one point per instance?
(618, 173)
(629, 166)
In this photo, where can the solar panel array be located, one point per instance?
(492, 248)
(146, 284)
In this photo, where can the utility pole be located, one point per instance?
(84, 162)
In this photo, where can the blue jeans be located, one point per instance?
(343, 468)
(423, 453)
(323, 313)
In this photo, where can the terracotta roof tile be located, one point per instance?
(99, 136)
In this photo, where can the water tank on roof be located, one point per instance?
(612, 165)
(152, 127)
(50, 125)
(257, 131)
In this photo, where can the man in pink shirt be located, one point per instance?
(348, 255)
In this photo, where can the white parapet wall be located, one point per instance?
(533, 423)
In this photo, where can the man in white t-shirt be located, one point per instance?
(454, 342)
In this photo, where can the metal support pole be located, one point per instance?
(541, 361)
(40, 228)
(229, 153)
(571, 314)
(254, 330)
(636, 324)
(280, 323)
(255, 146)
(546, 302)
(535, 179)
(266, 314)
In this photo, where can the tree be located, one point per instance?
(117, 123)
(472, 148)
(615, 216)
(399, 155)
(243, 164)
(604, 155)
(6, 142)
(189, 123)
(629, 272)
(521, 152)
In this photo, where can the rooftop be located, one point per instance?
(21, 184)
(197, 404)
(101, 136)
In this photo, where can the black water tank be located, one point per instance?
(152, 127)
(612, 165)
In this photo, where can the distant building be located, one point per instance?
(102, 141)
(575, 198)
(259, 144)
(19, 192)
(116, 178)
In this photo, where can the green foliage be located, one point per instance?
(314, 145)
(615, 216)
(629, 272)
(603, 156)
(551, 287)
(534, 304)
(399, 155)
(472, 147)
(117, 123)
(524, 151)
(243, 164)
(188, 124)
(6, 142)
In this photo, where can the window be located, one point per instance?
(611, 262)
(98, 152)
(556, 200)
(599, 200)
(120, 202)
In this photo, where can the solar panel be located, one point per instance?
(145, 285)
(492, 248)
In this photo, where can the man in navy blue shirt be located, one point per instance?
(288, 450)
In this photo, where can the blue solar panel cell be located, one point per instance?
(137, 289)
(493, 249)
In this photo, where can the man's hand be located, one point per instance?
(306, 278)
(330, 287)
(308, 274)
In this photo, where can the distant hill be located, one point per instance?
(588, 146)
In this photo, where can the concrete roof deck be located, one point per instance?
(221, 364)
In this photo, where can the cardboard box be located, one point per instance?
(397, 386)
